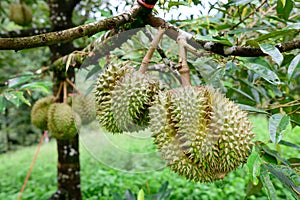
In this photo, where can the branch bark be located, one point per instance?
(119, 20)
(69, 34)
(218, 48)
(24, 32)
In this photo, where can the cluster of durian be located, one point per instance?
(61, 119)
(200, 134)
(123, 97)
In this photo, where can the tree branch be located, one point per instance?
(69, 34)
(218, 48)
(24, 32)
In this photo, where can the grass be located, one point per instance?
(114, 163)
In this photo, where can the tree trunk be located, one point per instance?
(68, 166)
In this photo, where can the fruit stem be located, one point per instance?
(73, 86)
(184, 69)
(65, 92)
(153, 46)
(59, 91)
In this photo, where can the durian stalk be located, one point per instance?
(73, 86)
(184, 68)
(65, 92)
(59, 91)
(153, 46)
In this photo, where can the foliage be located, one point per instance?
(268, 84)
(42, 181)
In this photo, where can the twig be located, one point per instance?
(65, 92)
(74, 87)
(167, 62)
(153, 46)
(253, 12)
(59, 91)
(182, 62)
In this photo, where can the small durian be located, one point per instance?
(200, 134)
(123, 98)
(84, 106)
(39, 112)
(105, 84)
(21, 14)
(131, 99)
(63, 123)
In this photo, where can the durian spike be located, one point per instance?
(184, 69)
(58, 91)
(153, 46)
(65, 92)
(73, 86)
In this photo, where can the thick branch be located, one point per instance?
(24, 32)
(69, 34)
(218, 48)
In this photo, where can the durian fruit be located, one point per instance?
(131, 99)
(39, 112)
(84, 106)
(63, 123)
(21, 14)
(105, 84)
(123, 98)
(200, 134)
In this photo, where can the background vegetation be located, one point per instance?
(41, 185)
(248, 49)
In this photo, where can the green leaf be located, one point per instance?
(15, 82)
(265, 178)
(16, 98)
(287, 176)
(2, 104)
(295, 64)
(271, 50)
(265, 73)
(274, 153)
(133, 55)
(141, 195)
(210, 38)
(284, 10)
(252, 189)
(278, 123)
(252, 109)
(289, 144)
(253, 163)
(243, 93)
(39, 86)
(278, 33)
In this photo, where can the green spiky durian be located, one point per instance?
(201, 134)
(84, 106)
(63, 123)
(123, 97)
(105, 84)
(131, 100)
(39, 112)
